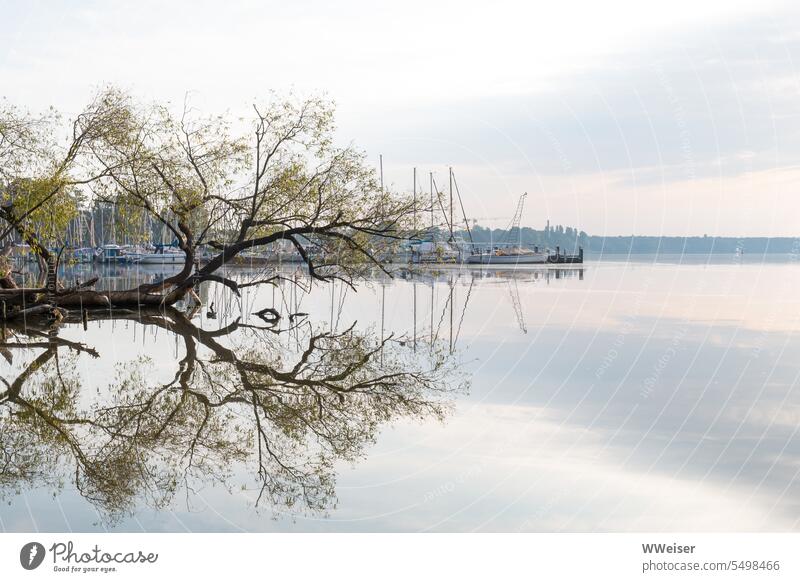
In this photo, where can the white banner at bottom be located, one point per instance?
(372, 557)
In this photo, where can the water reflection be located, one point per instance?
(623, 396)
(236, 395)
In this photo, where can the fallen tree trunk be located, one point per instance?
(37, 310)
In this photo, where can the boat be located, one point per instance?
(161, 255)
(511, 256)
(111, 253)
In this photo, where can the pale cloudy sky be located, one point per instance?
(617, 117)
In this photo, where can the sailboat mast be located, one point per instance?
(415, 201)
(431, 176)
(452, 234)
(113, 223)
(92, 234)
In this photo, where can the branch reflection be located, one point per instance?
(237, 398)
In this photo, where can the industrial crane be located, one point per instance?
(515, 221)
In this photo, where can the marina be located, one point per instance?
(432, 245)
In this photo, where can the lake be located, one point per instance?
(650, 393)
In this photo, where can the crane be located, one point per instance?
(515, 221)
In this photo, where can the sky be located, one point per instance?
(619, 118)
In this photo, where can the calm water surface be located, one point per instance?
(626, 395)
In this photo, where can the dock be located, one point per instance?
(562, 259)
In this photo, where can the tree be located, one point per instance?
(40, 178)
(222, 187)
(213, 185)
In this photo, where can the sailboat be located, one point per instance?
(432, 250)
(509, 256)
(161, 255)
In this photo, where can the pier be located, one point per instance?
(562, 259)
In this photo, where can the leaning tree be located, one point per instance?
(223, 187)
(221, 184)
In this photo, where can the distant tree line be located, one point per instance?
(569, 239)
(565, 237)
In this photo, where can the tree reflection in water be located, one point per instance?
(237, 396)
